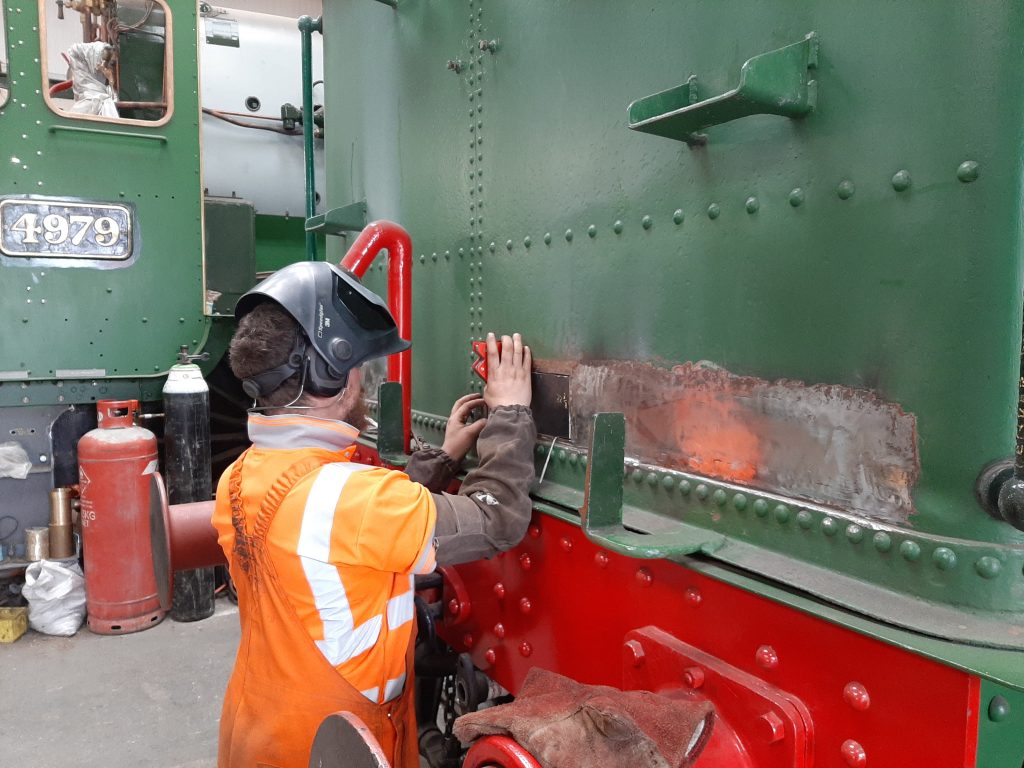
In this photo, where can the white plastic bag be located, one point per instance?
(93, 95)
(56, 597)
(14, 462)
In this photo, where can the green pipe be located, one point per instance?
(307, 26)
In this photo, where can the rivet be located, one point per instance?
(490, 656)
(714, 211)
(527, 241)
(796, 197)
(547, 238)
(944, 558)
(702, 491)
(988, 567)
(468, 640)
(693, 677)
(634, 652)
(782, 513)
(647, 222)
(739, 501)
(855, 533)
(882, 541)
(562, 455)
(967, 171)
(766, 657)
(720, 497)
(752, 204)
(910, 550)
(508, 244)
(492, 246)
(901, 181)
(525, 606)
(998, 709)
(453, 607)
(565, 543)
(668, 482)
(525, 649)
(804, 519)
(601, 560)
(845, 189)
(568, 235)
(499, 590)
(644, 577)
(684, 487)
(573, 459)
(637, 475)
(692, 597)
(677, 216)
(433, 256)
(592, 230)
(774, 728)
(617, 227)
(856, 695)
(761, 508)
(829, 526)
(499, 630)
(854, 754)
(652, 479)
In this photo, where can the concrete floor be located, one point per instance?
(147, 700)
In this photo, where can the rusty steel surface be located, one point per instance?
(826, 443)
(561, 603)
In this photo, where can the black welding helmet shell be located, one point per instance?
(344, 325)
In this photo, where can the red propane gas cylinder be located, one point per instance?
(116, 464)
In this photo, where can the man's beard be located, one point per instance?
(357, 416)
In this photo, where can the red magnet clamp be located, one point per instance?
(480, 364)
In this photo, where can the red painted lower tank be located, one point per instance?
(117, 462)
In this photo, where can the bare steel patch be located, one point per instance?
(825, 443)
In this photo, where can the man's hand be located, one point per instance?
(459, 436)
(508, 373)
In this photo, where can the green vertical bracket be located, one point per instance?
(389, 424)
(775, 83)
(603, 501)
(338, 221)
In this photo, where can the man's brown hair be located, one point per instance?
(262, 341)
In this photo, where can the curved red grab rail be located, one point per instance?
(499, 752)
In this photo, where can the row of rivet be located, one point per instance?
(474, 78)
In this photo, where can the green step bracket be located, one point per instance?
(338, 221)
(775, 83)
(602, 503)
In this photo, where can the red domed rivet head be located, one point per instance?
(856, 695)
(634, 652)
(468, 640)
(499, 631)
(644, 577)
(766, 657)
(692, 597)
(490, 656)
(453, 607)
(526, 562)
(601, 560)
(693, 677)
(854, 754)
(499, 590)
(534, 531)
(525, 605)
(525, 648)
(565, 543)
(774, 729)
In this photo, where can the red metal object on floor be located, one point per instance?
(376, 237)
(788, 685)
(498, 752)
(117, 462)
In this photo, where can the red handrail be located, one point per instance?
(376, 237)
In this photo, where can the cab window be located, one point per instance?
(107, 59)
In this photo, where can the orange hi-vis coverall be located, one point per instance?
(323, 553)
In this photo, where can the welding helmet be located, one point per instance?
(343, 324)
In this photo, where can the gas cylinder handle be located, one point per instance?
(184, 358)
(778, 82)
(601, 514)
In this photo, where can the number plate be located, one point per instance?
(65, 230)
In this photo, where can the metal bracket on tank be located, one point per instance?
(602, 503)
(338, 221)
(774, 83)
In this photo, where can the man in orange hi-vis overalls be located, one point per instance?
(323, 551)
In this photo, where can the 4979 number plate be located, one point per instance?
(64, 229)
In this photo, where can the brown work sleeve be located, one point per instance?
(433, 468)
(492, 509)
